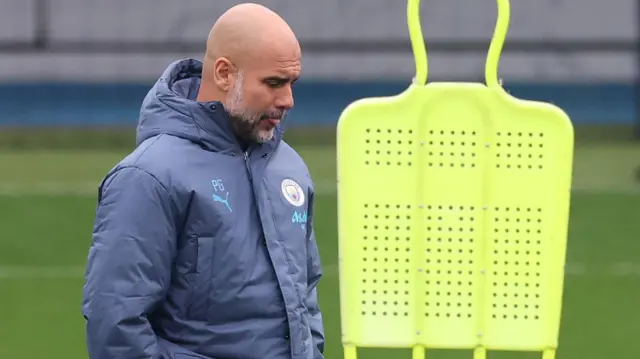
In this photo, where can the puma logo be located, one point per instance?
(225, 201)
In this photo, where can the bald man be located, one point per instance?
(203, 243)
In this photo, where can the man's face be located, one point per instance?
(262, 94)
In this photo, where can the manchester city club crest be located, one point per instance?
(292, 192)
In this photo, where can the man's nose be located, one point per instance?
(285, 98)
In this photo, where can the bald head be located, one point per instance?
(246, 31)
(252, 60)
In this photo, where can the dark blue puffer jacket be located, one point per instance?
(201, 250)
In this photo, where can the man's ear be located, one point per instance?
(223, 71)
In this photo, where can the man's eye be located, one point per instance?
(274, 83)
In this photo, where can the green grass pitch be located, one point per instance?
(47, 201)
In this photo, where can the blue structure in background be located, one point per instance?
(317, 103)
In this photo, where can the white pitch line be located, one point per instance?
(41, 272)
(617, 270)
(49, 189)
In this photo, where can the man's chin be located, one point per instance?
(263, 136)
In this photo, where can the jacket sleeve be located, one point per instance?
(314, 273)
(129, 263)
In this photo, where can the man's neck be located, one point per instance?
(208, 93)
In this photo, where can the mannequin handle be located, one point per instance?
(495, 48)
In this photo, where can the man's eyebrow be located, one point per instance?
(281, 78)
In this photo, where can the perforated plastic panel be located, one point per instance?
(386, 260)
(452, 225)
(383, 224)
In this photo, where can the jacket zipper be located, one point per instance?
(255, 198)
(253, 192)
(246, 163)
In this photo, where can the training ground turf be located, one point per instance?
(46, 211)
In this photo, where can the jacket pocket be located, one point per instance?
(189, 356)
(202, 282)
(171, 350)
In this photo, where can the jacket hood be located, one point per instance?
(170, 107)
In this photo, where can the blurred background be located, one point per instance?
(73, 74)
